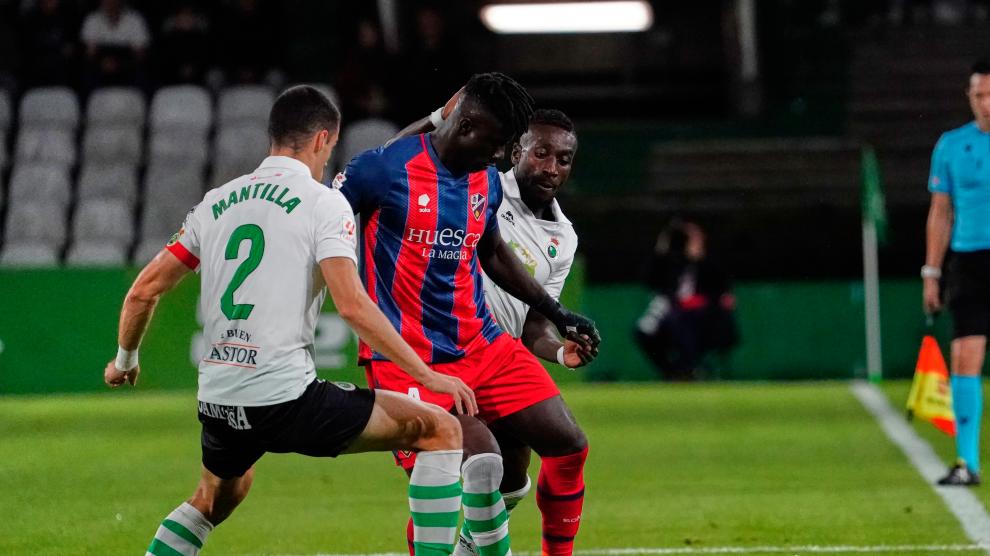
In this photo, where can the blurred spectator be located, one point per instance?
(691, 313)
(184, 46)
(9, 54)
(49, 44)
(362, 82)
(433, 62)
(244, 55)
(116, 39)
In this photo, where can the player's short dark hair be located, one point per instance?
(298, 113)
(552, 117)
(981, 66)
(506, 99)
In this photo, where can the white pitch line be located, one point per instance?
(799, 549)
(967, 508)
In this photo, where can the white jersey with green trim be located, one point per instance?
(546, 248)
(257, 242)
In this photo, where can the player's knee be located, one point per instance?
(448, 431)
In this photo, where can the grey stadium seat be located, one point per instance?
(146, 250)
(186, 107)
(95, 253)
(28, 255)
(103, 220)
(112, 144)
(244, 104)
(237, 151)
(108, 181)
(46, 145)
(363, 135)
(116, 107)
(50, 107)
(158, 223)
(40, 182)
(3, 151)
(177, 148)
(36, 222)
(172, 186)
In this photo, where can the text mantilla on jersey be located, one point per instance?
(263, 191)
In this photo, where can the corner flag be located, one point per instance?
(931, 395)
(874, 203)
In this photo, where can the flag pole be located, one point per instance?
(871, 290)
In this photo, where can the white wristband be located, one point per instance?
(560, 355)
(436, 117)
(929, 271)
(126, 359)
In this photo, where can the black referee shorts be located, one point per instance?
(322, 422)
(968, 293)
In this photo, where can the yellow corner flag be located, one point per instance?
(931, 394)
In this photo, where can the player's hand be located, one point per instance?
(576, 355)
(931, 300)
(463, 396)
(579, 329)
(114, 377)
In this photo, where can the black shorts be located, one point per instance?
(968, 293)
(321, 423)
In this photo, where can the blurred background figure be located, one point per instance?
(184, 53)
(691, 313)
(115, 39)
(49, 44)
(433, 60)
(245, 57)
(363, 81)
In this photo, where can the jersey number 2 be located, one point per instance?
(252, 233)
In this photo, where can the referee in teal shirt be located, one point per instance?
(959, 218)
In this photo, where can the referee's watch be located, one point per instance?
(929, 271)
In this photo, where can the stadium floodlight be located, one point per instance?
(568, 17)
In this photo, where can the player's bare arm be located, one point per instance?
(364, 316)
(504, 268)
(939, 230)
(159, 276)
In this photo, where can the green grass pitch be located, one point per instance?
(705, 465)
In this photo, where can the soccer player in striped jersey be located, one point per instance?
(533, 224)
(429, 222)
(267, 245)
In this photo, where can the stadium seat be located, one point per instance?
(108, 181)
(116, 107)
(36, 222)
(50, 107)
(112, 144)
(6, 112)
(175, 147)
(46, 145)
(244, 105)
(40, 182)
(146, 250)
(173, 186)
(96, 253)
(28, 255)
(363, 135)
(3, 151)
(158, 223)
(103, 220)
(237, 151)
(184, 107)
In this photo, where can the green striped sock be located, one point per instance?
(485, 517)
(465, 545)
(435, 501)
(181, 534)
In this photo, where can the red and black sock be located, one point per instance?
(560, 497)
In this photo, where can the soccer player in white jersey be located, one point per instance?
(266, 245)
(533, 225)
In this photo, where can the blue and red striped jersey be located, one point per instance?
(420, 231)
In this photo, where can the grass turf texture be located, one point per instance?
(670, 466)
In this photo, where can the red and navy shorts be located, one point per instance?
(504, 375)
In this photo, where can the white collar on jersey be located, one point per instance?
(510, 188)
(286, 162)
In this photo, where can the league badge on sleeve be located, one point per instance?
(348, 230)
(338, 180)
(478, 202)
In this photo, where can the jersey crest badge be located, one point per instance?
(478, 202)
(553, 248)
